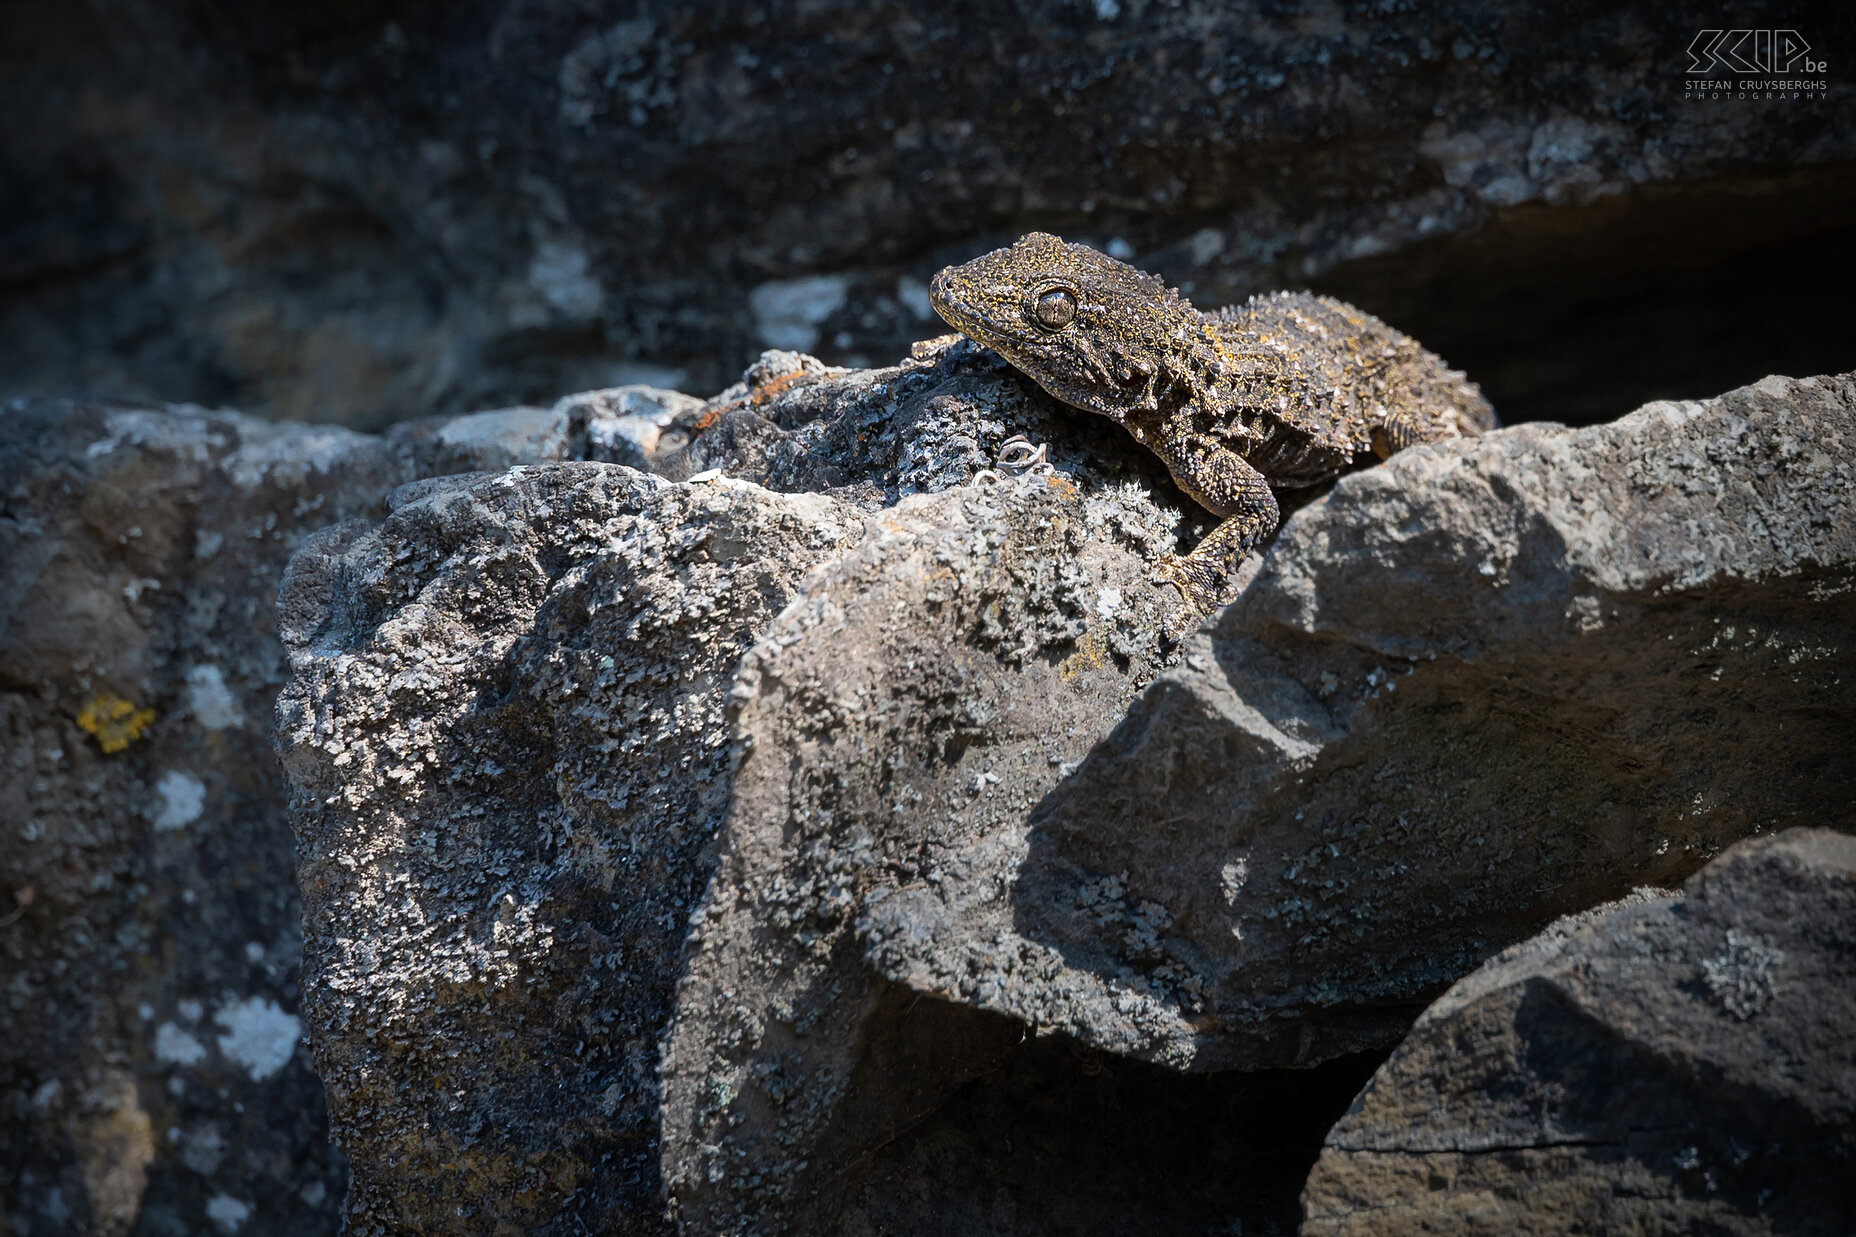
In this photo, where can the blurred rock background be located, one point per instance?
(362, 212)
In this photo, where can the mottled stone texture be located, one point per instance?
(970, 797)
(1679, 1064)
(151, 943)
(150, 938)
(897, 724)
(1479, 686)
(506, 738)
(815, 835)
(508, 742)
(1482, 685)
(364, 212)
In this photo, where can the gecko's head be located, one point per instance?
(1090, 330)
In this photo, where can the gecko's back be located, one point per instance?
(1356, 371)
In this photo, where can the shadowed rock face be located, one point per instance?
(1482, 685)
(1472, 689)
(1673, 1064)
(364, 212)
(150, 934)
(1059, 1138)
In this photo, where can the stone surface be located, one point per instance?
(979, 837)
(150, 938)
(143, 553)
(634, 425)
(506, 741)
(1484, 684)
(897, 724)
(360, 214)
(589, 602)
(1672, 1065)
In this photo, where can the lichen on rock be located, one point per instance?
(856, 753)
(506, 733)
(1585, 1079)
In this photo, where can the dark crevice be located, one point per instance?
(1582, 313)
(1086, 1141)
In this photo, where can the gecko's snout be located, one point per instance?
(944, 296)
(939, 286)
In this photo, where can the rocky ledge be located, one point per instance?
(782, 814)
(1673, 1064)
(705, 838)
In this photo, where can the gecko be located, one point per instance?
(1286, 391)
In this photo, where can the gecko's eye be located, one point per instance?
(1055, 309)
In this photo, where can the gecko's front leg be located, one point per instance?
(1224, 483)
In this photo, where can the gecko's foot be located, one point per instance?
(1204, 580)
(929, 349)
(1180, 624)
(1177, 571)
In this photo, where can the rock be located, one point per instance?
(534, 708)
(356, 215)
(1277, 851)
(1671, 1064)
(140, 666)
(634, 425)
(1040, 566)
(483, 441)
(1482, 685)
(386, 741)
(1346, 795)
(896, 723)
(150, 937)
(506, 739)
(975, 794)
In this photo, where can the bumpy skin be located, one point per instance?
(1289, 390)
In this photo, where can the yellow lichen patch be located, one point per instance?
(115, 722)
(1091, 654)
(1062, 484)
(115, 1145)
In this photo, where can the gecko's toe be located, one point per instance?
(1200, 587)
(1181, 623)
(1185, 619)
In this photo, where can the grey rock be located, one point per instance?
(150, 936)
(1482, 685)
(506, 740)
(634, 425)
(897, 724)
(153, 960)
(1475, 688)
(935, 421)
(1671, 1065)
(502, 837)
(528, 673)
(482, 441)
